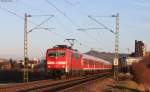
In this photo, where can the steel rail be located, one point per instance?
(61, 85)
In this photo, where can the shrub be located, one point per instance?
(141, 71)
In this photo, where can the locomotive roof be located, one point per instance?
(63, 47)
(85, 56)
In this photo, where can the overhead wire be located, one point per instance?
(96, 40)
(41, 23)
(60, 35)
(11, 12)
(64, 37)
(60, 11)
(81, 11)
(102, 24)
(21, 17)
(51, 4)
(15, 14)
(88, 28)
(47, 20)
(26, 5)
(67, 17)
(68, 2)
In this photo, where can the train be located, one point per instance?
(62, 60)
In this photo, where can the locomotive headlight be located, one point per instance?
(62, 62)
(50, 62)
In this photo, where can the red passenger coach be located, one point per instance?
(61, 60)
(93, 64)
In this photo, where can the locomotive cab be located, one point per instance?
(56, 61)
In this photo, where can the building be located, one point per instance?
(140, 49)
(131, 60)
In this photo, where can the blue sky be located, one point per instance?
(134, 25)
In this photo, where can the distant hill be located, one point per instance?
(104, 55)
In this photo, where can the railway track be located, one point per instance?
(24, 86)
(20, 86)
(48, 85)
(63, 85)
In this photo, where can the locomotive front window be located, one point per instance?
(56, 53)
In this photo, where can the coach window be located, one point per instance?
(85, 61)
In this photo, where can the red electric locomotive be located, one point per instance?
(62, 60)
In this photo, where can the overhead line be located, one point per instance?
(64, 37)
(101, 24)
(84, 29)
(4, 9)
(42, 15)
(68, 2)
(92, 37)
(60, 11)
(41, 23)
(51, 4)
(48, 29)
(109, 16)
(13, 13)
(66, 15)
(21, 17)
(29, 6)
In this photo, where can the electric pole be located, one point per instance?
(25, 75)
(26, 59)
(116, 60)
(128, 51)
(116, 33)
